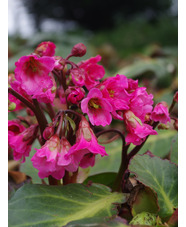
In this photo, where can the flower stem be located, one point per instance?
(21, 98)
(124, 160)
(123, 167)
(74, 112)
(172, 106)
(59, 128)
(53, 181)
(42, 121)
(51, 111)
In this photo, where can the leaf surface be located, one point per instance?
(161, 176)
(44, 205)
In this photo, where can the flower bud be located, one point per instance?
(45, 49)
(75, 94)
(79, 50)
(11, 106)
(29, 112)
(48, 132)
(30, 133)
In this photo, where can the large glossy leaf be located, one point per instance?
(102, 178)
(160, 145)
(44, 205)
(174, 150)
(161, 176)
(155, 67)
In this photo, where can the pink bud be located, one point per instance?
(45, 49)
(48, 132)
(79, 50)
(75, 94)
(29, 112)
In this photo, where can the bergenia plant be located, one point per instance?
(69, 106)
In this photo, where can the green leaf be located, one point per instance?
(102, 178)
(174, 150)
(144, 218)
(44, 205)
(155, 67)
(146, 200)
(115, 222)
(159, 145)
(161, 176)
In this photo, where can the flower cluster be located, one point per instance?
(72, 93)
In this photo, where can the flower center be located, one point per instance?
(32, 65)
(94, 103)
(111, 93)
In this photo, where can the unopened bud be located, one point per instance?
(45, 49)
(79, 50)
(29, 112)
(30, 133)
(48, 132)
(11, 106)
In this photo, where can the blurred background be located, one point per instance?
(135, 38)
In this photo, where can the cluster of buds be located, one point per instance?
(69, 92)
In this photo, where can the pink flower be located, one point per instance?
(114, 90)
(98, 108)
(86, 146)
(33, 73)
(64, 160)
(51, 158)
(21, 139)
(45, 49)
(78, 76)
(132, 85)
(137, 131)
(45, 159)
(93, 71)
(75, 94)
(14, 128)
(160, 113)
(141, 103)
(48, 93)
